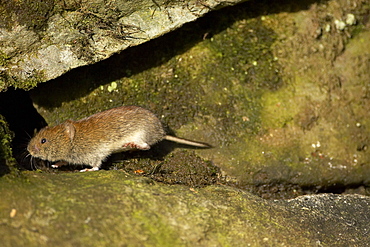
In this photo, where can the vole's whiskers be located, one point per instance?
(32, 160)
(34, 163)
(23, 159)
(29, 136)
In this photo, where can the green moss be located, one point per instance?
(33, 14)
(31, 82)
(110, 208)
(7, 161)
(7, 81)
(4, 78)
(155, 225)
(3, 59)
(278, 108)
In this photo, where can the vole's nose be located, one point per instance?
(33, 150)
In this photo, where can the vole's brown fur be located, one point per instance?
(90, 140)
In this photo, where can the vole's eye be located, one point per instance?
(43, 140)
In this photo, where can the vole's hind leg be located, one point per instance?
(136, 141)
(95, 164)
(90, 169)
(140, 146)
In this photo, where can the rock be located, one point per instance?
(41, 40)
(316, 211)
(113, 208)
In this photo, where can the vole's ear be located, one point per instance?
(70, 129)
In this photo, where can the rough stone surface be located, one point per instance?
(41, 40)
(112, 208)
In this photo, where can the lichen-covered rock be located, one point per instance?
(41, 40)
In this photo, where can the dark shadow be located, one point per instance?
(16, 106)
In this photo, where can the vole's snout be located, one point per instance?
(33, 150)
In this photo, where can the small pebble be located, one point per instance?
(350, 20)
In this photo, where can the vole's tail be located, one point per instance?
(187, 142)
